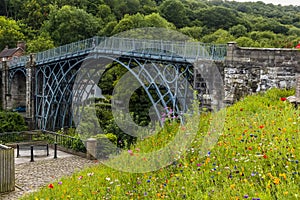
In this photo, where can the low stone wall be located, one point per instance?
(250, 70)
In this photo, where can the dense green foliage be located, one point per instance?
(255, 157)
(43, 24)
(11, 121)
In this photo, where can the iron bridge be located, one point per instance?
(164, 69)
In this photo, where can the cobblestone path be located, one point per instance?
(30, 176)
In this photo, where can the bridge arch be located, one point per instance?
(55, 82)
(153, 75)
(17, 88)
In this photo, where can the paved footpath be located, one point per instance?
(30, 176)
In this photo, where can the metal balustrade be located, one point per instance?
(159, 49)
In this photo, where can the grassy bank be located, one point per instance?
(256, 157)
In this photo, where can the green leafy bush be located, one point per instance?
(11, 121)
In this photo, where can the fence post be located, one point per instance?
(47, 149)
(7, 169)
(31, 154)
(18, 150)
(91, 147)
(55, 150)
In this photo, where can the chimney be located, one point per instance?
(22, 45)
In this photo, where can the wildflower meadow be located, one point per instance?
(256, 157)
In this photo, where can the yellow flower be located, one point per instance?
(284, 129)
(283, 175)
(285, 193)
(292, 150)
(232, 186)
(207, 160)
(276, 181)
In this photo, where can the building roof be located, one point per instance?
(8, 52)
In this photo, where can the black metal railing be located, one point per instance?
(66, 141)
(11, 137)
(62, 140)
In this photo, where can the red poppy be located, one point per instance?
(298, 46)
(265, 156)
(282, 99)
(50, 186)
(261, 126)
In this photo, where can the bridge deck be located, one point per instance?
(148, 49)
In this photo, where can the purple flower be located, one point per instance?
(246, 196)
(59, 183)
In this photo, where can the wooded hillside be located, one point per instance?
(44, 24)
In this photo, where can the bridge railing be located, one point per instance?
(74, 48)
(184, 50)
(19, 61)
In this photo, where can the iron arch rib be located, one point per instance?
(55, 96)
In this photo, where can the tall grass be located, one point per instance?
(256, 157)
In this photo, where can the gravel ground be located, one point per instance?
(30, 176)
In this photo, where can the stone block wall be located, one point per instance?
(250, 70)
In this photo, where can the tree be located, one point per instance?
(122, 7)
(10, 32)
(270, 25)
(129, 22)
(155, 20)
(34, 13)
(40, 43)
(220, 37)
(294, 31)
(193, 32)
(105, 14)
(175, 12)
(246, 42)
(238, 30)
(3, 8)
(108, 29)
(138, 21)
(70, 24)
(218, 18)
